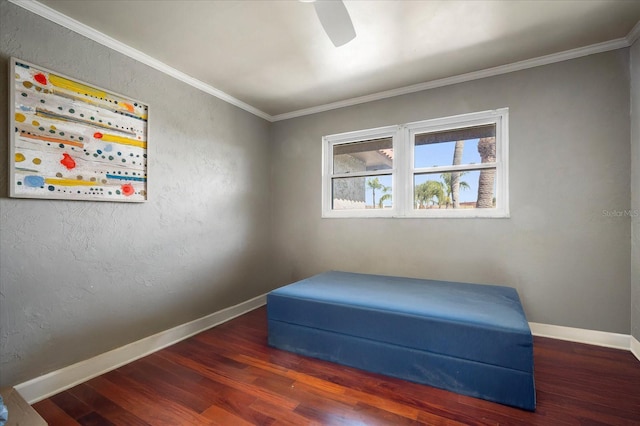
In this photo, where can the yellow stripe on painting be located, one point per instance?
(70, 182)
(124, 141)
(64, 83)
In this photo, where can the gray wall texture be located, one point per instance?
(569, 166)
(635, 190)
(80, 278)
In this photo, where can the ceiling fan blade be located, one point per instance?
(335, 20)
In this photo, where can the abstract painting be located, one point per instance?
(74, 141)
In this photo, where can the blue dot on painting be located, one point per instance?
(61, 145)
(108, 148)
(33, 181)
(99, 151)
(51, 188)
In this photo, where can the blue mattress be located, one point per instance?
(467, 338)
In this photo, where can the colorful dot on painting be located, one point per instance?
(19, 157)
(67, 161)
(111, 157)
(80, 138)
(60, 108)
(61, 133)
(71, 110)
(59, 174)
(20, 117)
(53, 128)
(118, 191)
(124, 160)
(61, 145)
(27, 84)
(52, 131)
(99, 151)
(25, 95)
(97, 135)
(34, 181)
(36, 161)
(127, 189)
(35, 123)
(41, 128)
(40, 78)
(51, 188)
(41, 101)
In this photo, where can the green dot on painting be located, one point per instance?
(118, 191)
(71, 110)
(24, 94)
(110, 193)
(60, 108)
(41, 129)
(61, 145)
(51, 188)
(95, 155)
(61, 133)
(93, 118)
(52, 131)
(111, 157)
(124, 161)
(81, 115)
(81, 138)
(19, 183)
(103, 156)
(41, 101)
(109, 123)
(86, 153)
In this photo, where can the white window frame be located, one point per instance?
(500, 118)
(328, 142)
(403, 167)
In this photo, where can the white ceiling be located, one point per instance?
(275, 56)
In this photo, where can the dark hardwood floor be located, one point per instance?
(229, 376)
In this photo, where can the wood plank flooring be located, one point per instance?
(229, 376)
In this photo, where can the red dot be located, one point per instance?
(127, 189)
(97, 135)
(67, 161)
(40, 78)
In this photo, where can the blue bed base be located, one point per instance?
(467, 338)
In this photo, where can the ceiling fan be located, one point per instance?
(335, 20)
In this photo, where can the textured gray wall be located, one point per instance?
(635, 190)
(80, 278)
(569, 161)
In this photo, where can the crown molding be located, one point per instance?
(634, 34)
(103, 39)
(475, 75)
(91, 33)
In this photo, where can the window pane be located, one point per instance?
(476, 189)
(453, 147)
(360, 193)
(375, 154)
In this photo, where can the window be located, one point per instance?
(447, 167)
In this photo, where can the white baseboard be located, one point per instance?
(57, 381)
(635, 347)
(581, 335)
